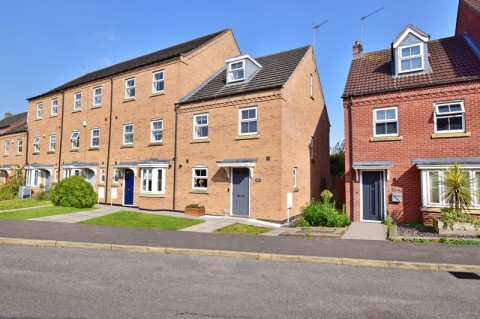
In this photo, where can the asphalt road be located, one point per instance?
(38, 282)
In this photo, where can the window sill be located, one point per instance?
(96, 106)
(385, 138)
(128, 100)
(155, 144)
(6, 155)
(38, 119)
(75, 150)
(51, 152)
(76, 111)
(53, 116)
(157, 94)
(200, 140)
(94, 148)
(36, 153)
(247, 137)
(451, 135)
(312, 97)
(19, 155)
(296, 190)
(127, 146)
(101, 184)
(438, 210)
(153, 195)
(198, 191)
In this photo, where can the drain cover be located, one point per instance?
(465, 275)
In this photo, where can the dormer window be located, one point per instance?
(236, 71)
(411, 58)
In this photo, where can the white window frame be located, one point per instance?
(97, 95)
(36, 144)
(129, 133)
(19, 146)
(116, 175)
(377, 121)
(32, 177)
(195, 177)
(232, 71)
(311, 85)
(75, 138)
(54, 107)
(92, 137)
(450, 114)
(130, 89)
(295, 177)
(402, 58)
(155, 81)
(7, 148)
(39, 110)
(56, 175)
(102, 175)
(149, 172)
(77, 101)
(153, 130)
(50, 148)
(240, 120)
(195, 126)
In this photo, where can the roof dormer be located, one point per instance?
(410, 52)
(241, 69)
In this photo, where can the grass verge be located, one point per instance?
(442, 240)
(242, 229)
(141, 220)
(41, 212)
(22, 203)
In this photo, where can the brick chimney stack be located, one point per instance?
(357, 49)
(8, 114)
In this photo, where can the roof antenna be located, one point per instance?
(83, 69)
(315, 28)
(362, 19)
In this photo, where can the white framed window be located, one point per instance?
(51, 144)
(386, 121)
(116, 175)
(77, 101)
(200, 126)
(411, 58)
(95, 137)
(128, 133)
(7, 147)
(248, 121)
(236, 71)
(32, 177)
(39, 110)
(19, 146)
(311, 85)
(130, 88)
(449, 117)
(97, 96)
(294, 177)
(75, 137)
(73, 172)
(152, 180)
(56, 174)
(102, 175)
(158, 82)
(36, 144)
(200, 177)
(156, 128)
(54, 107)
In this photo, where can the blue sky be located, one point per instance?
(46, 43)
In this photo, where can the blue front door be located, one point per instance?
(129, 187)
(372, 195)
(240, 192)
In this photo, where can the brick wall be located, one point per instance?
(416, 126)
(468, 21)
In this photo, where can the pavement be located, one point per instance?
(366, 231)
(370, 253)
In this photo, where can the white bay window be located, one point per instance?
(152, 180)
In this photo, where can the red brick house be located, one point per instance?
(410, 112)
(13, 139)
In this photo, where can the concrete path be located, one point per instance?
(366, 231)
(72, 218)
(24, 208)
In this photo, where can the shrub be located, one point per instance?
(74, 191)
(449, 216)
(301, 222)
(193, 205)
(324, 213)
(10, 189)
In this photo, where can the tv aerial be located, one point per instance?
(362, 20)
(315, 28)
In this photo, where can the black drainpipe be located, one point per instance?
(352, 188)
(175, 157)
(61, 137)
(26, 146)
(107, 179)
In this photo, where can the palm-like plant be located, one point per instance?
(456, 187)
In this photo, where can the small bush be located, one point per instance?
(194, 205)
(324, 213)
(449, 216)
(301, 222)
(10, 189)
(74, 191)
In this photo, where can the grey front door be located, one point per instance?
(372, 195)
(240, 192)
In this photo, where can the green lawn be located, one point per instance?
(22, 203)
(141, 220)
(41, 212)
(242, 229)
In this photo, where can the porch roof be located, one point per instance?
(426, 163)
(79, 164)
(373, 165)
(237, 162)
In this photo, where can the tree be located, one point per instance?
(456, 187)
(337, 159)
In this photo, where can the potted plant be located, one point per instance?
(195, 210)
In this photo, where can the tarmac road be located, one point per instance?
(41, 282)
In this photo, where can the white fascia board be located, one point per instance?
(405, 33)
(242, 57)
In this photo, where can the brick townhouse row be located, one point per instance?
(13, 140)
(197, 122)
(410, 112)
